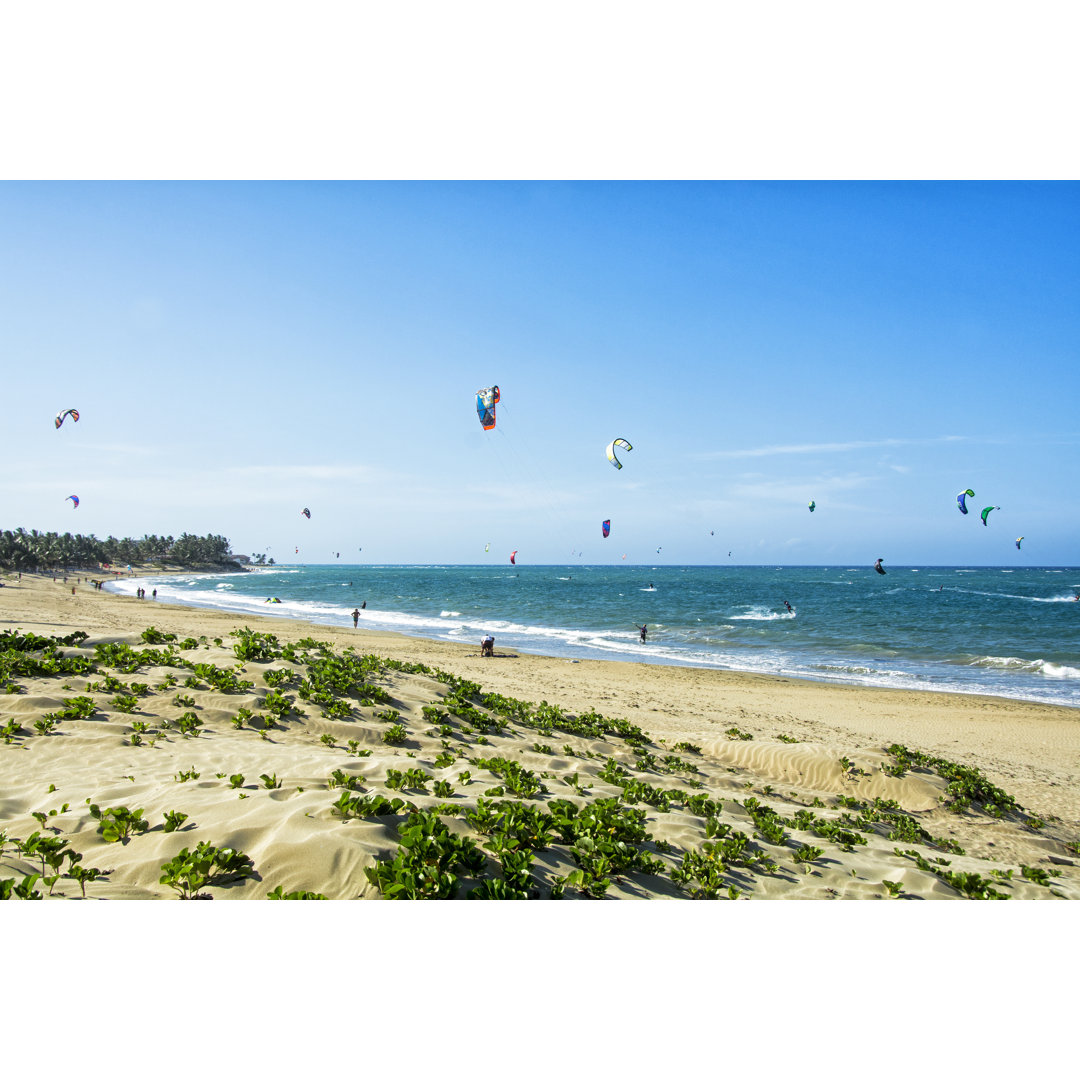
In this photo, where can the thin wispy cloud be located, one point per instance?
(828, 448)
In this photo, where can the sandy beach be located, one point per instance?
(632, 781)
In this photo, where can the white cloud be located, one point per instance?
(827, 448)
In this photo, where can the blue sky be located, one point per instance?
(238, 351)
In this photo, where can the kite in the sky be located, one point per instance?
(606, 528)
(962, 498)
(611, 451)
(986, 512)
(485, 406)
(487, 547)
(812, 505)
(513, 558)
(878, 567)
(1018, 539)
(75, 500)
(73, 413)
(306, 512)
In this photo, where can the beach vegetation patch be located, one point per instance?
(153, 636)
(1038, 875)
(735, 733)
(84, 875)
(395, 735)
(190, 872)
(971, 885)
(296, 894)
(223, 680)
(339, 778)
(23, 890)
(11, 730)
(76, 708)
(806, 853)
(427, 856)
(184, 776)
(174, 819)
(189, 724)
(521, 781)
(117, 824)
(254, 646)
(374, 805)
(270, 781)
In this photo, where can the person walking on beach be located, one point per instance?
(355, 616)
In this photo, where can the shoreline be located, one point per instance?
(793, 731)
(579, 652)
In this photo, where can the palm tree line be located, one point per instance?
(33, 550)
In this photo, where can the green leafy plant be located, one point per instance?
(422, 868)
(341, 779)
(84, 875)
(184, 776)
(270, 781)
(190, 872)
(118, 823)
(189, 725)
(395, 735)
(298, 894)
(174, 820)
(807, 854)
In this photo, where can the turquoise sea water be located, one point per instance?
(1013, 632)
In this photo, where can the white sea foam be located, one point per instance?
(762, 614)
(1035, 667)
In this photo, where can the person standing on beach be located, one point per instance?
(355, 617)
(643, 630)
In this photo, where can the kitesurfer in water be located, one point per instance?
(878, 567)
(644, 631)
(788, 606)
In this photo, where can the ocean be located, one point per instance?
(1012, 632)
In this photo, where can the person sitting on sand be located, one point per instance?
(487, 646)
